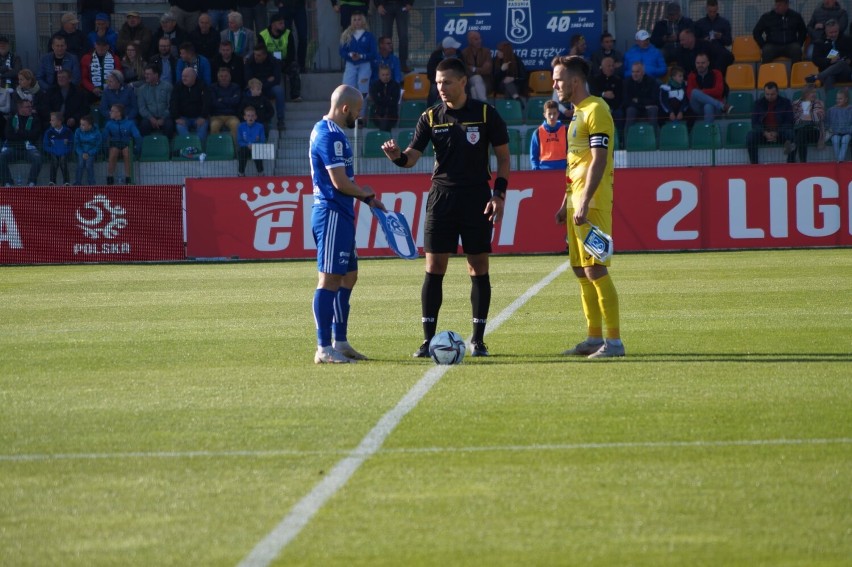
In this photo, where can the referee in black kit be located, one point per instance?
(461, 202)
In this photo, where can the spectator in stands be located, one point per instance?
(165, 61)
(103, 29)
(345, 8)
(76, 41)
(549, 143)
(57, 59)
(839, 125)
(666, 33)
(771, 123)
(87, 144)
(170, 30)
(249, 132)
(153, 99)
(22, 138)
(386, 57)
(261, 66)
(235, 65)
(828, 10)
(690, 46)
(218, 11)
(808, 122)
(479, 66)
(116, 92)
(255, 13)
(608, 84)
(705, 89)
(831, 56)
(134, 32)
(640, 97)
(205, 37)
(56, 143)
(780, 33)
(119, 132)
(29, 89)
(89, 9)
(714, 28)
(296, 18)
(358, 49)
(398, 11)
(240, 37)
(133, 66)
(10, 63)
(186, 13)
(188, 58)
(97, 65)
(67, 98)
(449, 48)
(225, 98)
(607, 50)
(643, 52)
(281, 45)
(673, 100)
(384, 95)
(510, 75)
(190, 105)
(254, 98)
(578, 46)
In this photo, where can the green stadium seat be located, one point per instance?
(674, 136)
(181, 143)
(742, 103)
(97, 115)
(735, 134)
(155, 147)
(220, 147)
(706, 136)
(404, 140)
(409, 113)
(515, 143)
(641, 138)
(534, 112)
(373, 143)
(510, 110)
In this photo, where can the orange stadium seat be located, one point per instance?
(772, 72)
(799, 71)
(745, 49)
(541, 83)
(415, 86)
(740, 77)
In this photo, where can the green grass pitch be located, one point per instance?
(172, 415)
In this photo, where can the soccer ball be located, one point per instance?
(447, 347)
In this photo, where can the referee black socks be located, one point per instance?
(431, 297)
(480, 302)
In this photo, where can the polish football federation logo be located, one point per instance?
(101, 219)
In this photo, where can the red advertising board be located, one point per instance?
(90, 224)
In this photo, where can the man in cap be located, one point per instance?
(170, 30)
(96, 66)
(103, 29)
(89, 9)
(281, 45)
(76, 41)
(649, 56)
(449, 48)
(666, 33)
(134, 31)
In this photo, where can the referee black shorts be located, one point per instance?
(453, 212)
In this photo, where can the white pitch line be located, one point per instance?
(298, 517)
(700, 443)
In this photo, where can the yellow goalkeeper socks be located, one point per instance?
(608, 298)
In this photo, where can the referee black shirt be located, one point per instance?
(460, 138)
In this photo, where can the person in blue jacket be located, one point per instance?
(87, 144)
(248, 133)
(119, 132)
(57, 145)
(645, 53)
(358, 49)
(189, 58)
(116, 92)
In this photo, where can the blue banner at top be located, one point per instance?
(538, 29)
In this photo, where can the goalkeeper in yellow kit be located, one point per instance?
(588, 201)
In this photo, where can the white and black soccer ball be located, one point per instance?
(447, 347)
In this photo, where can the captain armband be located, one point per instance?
(500, 186)
(401, 160)
(599, 140)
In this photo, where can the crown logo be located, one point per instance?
(273, 200)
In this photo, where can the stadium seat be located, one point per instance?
(404, 140)
(745, 49)
(541, 82)
(772, 72)
(373, 143)
(220, 147)
(515, 143)
(740, 77)
(99, 118)
(736, 132)
(742, 103)
(534, 112)
(181, 145)
(706, 136)
(511, 111)
(415, 86)
(641, 138)
(674, 136)
(799, 71)
(830, 97)
(409, 113)
(155, 147)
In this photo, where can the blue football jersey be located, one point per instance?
(330, 148)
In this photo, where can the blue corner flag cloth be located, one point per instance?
(397, 232)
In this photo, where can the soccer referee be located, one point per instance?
(461, 203)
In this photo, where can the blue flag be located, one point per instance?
(397, 232)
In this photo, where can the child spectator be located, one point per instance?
(673, 95)
(809, 126)
(260, 103)
(549, 143)
(385, 94)
(357, 49)
(57, 146)
(840, 125)
(87, 144)
(119, 132)
(248, 133)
